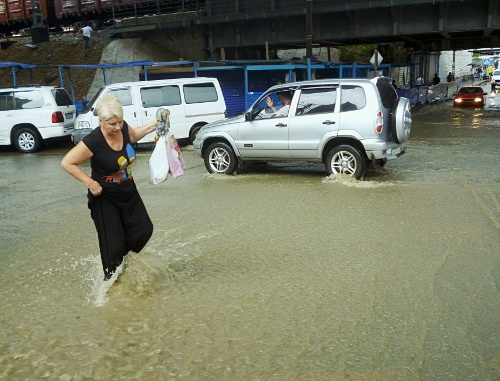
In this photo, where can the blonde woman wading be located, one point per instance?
(119, 215)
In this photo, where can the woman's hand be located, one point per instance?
(95, 188)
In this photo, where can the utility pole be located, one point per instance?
(309, 29)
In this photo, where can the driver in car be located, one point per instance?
(285, 97)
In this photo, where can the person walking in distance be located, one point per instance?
(86, 31)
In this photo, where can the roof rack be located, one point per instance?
(22, 86)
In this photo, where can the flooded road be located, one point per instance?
(280, 273)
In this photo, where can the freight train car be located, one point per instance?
(17, 14)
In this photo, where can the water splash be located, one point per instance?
(350, 181)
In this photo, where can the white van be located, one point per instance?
(193, 102)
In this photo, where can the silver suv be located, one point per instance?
(347, 124)
(33, 114)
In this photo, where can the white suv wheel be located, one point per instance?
(27, 140)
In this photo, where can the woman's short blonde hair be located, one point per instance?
(108, 107)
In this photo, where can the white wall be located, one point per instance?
(462, 59)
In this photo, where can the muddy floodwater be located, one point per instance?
(279, 273)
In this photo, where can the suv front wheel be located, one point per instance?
(26, 140)
(220, 158)
(345, 159)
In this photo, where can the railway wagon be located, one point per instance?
(19, 12)
(16, 15)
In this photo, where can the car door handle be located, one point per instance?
(281, 125)
(328, 122)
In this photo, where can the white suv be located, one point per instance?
(348, 124)
(33, 114)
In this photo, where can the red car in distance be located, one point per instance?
(470, 96)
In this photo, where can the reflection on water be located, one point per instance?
(280, 273)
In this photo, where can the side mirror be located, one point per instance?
(95, 112)
(454, 94)
(248, 116)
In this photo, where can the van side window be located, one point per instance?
(200, 93)
(123, 95)
(28, 99)
(6, 101)
(316, 101)
(160, 96)
(352, 98)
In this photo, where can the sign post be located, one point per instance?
(375, 61)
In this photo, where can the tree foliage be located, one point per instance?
(356, 53)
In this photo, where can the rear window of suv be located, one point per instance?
(62, 97)
(352, 98)
(28, 99)
(21, 100)
(387, 93)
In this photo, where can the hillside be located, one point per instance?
(66, 49)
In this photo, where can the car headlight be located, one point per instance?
(458, 100)
(82, 125)
(478, 100)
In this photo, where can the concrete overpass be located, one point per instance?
(424, 25)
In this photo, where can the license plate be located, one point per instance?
(397, 151)
(69, 115)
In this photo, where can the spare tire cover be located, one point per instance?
(401, 120)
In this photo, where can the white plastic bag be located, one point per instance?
(158, 163)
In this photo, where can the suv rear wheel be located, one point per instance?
(345, 159)
(220, 158)
(27, 140)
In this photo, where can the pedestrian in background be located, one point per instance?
(436, 80)
(120, 217)
(86, 31)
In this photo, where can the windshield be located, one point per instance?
(91, 103)
(470, 90)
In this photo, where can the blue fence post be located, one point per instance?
(61, 76)
(71, 85)
(245, 77)
(105, 75)
(14, 75)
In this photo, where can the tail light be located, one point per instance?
(379, 122)
(57, 117)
